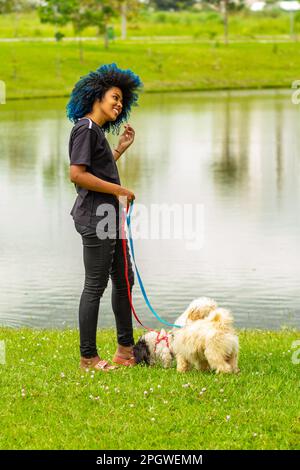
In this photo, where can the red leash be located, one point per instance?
(124, 239)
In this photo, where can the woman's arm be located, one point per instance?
(84, 179)
(117, 153)
(126, 139)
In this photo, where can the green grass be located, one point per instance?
(48, 403)
(49, 69)
(207, 24)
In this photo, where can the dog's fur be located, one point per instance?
(145, 350)
(210, 343)
(197, 310)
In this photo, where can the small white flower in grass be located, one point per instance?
(158, 386)
(97, 398)
(222, 390)
(227, 417)
(131, 405)
(201, 393)
(152, 419)
(117, 390)
(151, 389)
(77, 383)
(203, 389)
(91, 397)
(289, 351)
(254, 434)
(225, 399)
(186, 385)
(23, 337)
(106, 388)
(145, 393)
(62, 375)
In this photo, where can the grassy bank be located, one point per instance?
(48, 69)
(48, 403)
(206, 25)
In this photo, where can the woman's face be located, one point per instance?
(112, 103)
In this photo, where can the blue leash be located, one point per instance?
(128, 220)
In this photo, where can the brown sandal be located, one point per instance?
(130, 362)
(96, 363)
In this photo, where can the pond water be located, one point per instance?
(236, 154)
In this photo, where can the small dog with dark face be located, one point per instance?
(154, 347)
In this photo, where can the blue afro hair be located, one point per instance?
(94, 86)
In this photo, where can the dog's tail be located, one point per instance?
(221, 316)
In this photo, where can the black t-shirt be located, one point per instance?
(88, 146)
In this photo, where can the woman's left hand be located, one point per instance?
(127, 138)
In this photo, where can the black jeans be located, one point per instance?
(103, 258)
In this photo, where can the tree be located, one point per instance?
(57, 12)
(128, 9)
(98, 13)
(224, 7)
(15, 7)
(83, 13)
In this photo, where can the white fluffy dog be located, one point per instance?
(153, 347)
(198, 309)
(210, 343)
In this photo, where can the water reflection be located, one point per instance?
(236, 153)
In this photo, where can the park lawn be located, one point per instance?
(48, 69)
(48, 403)
(206, 25)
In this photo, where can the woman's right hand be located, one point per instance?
(125, 196)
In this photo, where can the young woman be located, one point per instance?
(100, 102)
